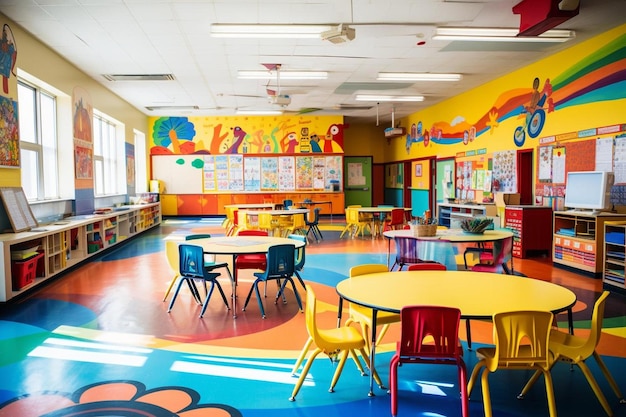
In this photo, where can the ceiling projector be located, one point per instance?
(339, 34)
(281, 100)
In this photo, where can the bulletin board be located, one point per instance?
(180, 174)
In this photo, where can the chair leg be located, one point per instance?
(468, 331)
(463, 385)
(609, 378)
(180, 282)
(529, 385)
(342, 361)
(302, 355)
(474, 377)
(596, 389)
(300, 279)
(206, 300)
(393, 385)
(373, 371)
(304, 373)
(484, 383)
(169, 287)
(550, 392)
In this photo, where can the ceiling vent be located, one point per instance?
(172, 107)
(138, 77)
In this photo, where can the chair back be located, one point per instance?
(429, 332)
(364, 269)
(298, 221)
(521, 339)
(171, 252)
(427, 266)
(287, 204)
(316, 217)
(300, 254)
(597, 316)
(191, 261)
(502, 253)
(266, 222)
(252, 232)
(198, 236)
(396, 217)
(280, 261)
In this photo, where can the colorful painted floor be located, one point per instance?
(99, 342)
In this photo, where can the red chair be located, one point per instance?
(427, 266)
(251, 261)
(430, 334)
(395, 220)
(502, 254)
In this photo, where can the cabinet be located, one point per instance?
(578, 240)
(450, 214)
(531, 227)
(32, 257)
(614, 256)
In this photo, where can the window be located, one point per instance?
(38, 142)
(108, 156)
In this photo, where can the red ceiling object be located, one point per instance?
(538, 16)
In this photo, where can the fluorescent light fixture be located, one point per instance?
(417, 76)
(373, 97)
(218, 30)
(499, 35)
(284, 75)
(259, 112)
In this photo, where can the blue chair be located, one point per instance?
(300, 257)
(287, 204)
(280, 267)
(191, 268)
(209, 260)
(314, 225)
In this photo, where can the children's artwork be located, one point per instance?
(82, 115)
(9, 138)
(84, 163)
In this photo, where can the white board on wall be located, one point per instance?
(180, 174)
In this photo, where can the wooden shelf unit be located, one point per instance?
(68, 242)
(451, 214)
(614, 256)
(578, 240)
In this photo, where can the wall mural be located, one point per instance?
(243, 135)
(598, 77)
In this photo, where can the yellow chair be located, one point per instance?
(171, 252)
(267, 223)
(297, 225)
(576, 350)
(354, 225)
(363, 315)
(521, 342)
(335, 342)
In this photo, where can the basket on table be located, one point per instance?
(425, 230)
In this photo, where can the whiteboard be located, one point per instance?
(180, 174)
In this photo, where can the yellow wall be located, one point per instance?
(465, 110)
(365, 139)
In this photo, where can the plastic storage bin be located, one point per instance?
(24, 272)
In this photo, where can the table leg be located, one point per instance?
(570, 320)
(373, 353)
(339, 312)
(234, 287)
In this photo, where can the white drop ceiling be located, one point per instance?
(104, 37)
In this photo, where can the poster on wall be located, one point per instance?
(304, 173)
(221, 172)
(319, 171)
(286, 173)
(355, 174)
(235, 172)
(208, 174)
(9, 137)
(544, 166)
(269, 174)
(558, 165)
(604, 154)
(619, 167)
(252, 174)
(84, 162)
(505, 172)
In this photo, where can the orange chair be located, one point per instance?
(337, 342)
(430, 334)
(576, 350)
(521, 342)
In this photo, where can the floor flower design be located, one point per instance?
(117, 398)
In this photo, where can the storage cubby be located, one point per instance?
(614, 256)
(451, 214)
(31, 257)
(578, 240)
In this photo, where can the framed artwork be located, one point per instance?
(418, 170)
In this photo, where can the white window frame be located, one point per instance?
(43, 143)
(110, 177)
(141, 166)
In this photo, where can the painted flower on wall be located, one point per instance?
(175, 131)
(117, 398)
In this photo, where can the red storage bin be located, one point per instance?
(24, 272)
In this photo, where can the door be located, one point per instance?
(358, 180)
